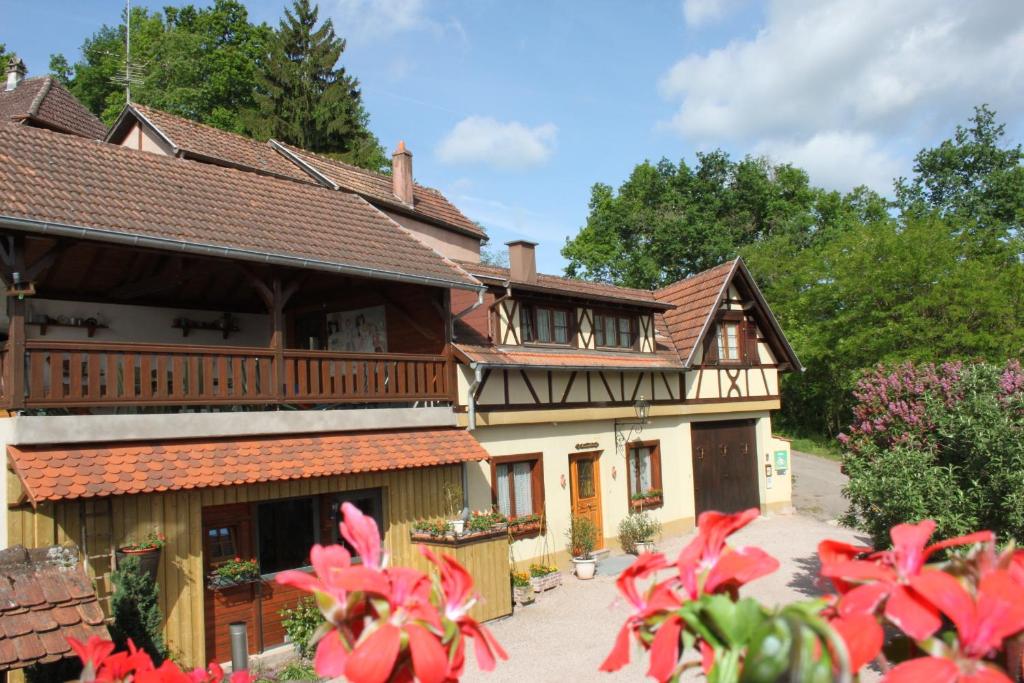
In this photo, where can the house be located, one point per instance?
(44, 102)
(222, 340)
(553, 374)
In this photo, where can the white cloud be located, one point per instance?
(507, 145)
(700, 12)
(364, 20)
(851, 74)
(838, 160)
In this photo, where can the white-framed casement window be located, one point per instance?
(643, 469)
(728, 342)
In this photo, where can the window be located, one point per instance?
(614, 331)
(643, 468)
(517, 484)
(728, 341)
(220, 543)
(545, 325)
(368, 501)
(287, 530)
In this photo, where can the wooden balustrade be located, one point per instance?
(75, 374)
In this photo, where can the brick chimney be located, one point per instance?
(401, 174)
(15, 72)
(522, 261)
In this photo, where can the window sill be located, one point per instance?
(647, 503)
(526, 530)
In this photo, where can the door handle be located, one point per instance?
(700, 454)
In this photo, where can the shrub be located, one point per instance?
(135, 608)
(301, 624)
(582, 537)
(637, 528)
(945, 443)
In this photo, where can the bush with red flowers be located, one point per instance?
(954, 617)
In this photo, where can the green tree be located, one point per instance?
(306, 98)
(197, 63)
(667, 221)
(971, 181)
(135, 610)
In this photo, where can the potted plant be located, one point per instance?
(234, 573)
(637, 532)
(582, 537)
(147, 550)
(522, 592)
(452, 493)
(648, 499)
(431, 528)
(544, 577)
(525, 524)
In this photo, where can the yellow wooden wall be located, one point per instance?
(488, 562)
(409, 495)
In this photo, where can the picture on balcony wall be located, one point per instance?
(360, 331)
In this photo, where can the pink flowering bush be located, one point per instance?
(941, 442)
(954, 618)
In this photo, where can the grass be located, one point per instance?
(821, 446)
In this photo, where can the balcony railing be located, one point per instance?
(75, 374)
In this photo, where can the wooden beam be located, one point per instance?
(16, 328)
(169, 276)
(44, 262)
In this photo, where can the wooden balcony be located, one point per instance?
(92, 374)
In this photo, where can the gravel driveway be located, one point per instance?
(566, 634)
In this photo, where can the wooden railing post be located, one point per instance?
(277, 336)
(16, 327)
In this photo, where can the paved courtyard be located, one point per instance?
(818, 487)
(566, 634)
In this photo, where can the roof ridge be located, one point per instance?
(193, 122)
(33, 109)
(678, 284)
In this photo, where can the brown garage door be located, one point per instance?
(724, 465)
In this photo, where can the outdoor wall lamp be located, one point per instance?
(19, 287)
(642, 409)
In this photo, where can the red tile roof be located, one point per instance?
(696, 299)
(45, 597)
(428, 203)
(197, 140)
(87, 471)
(569, 359)
(44, 102)
(567, 286)
(51, 182)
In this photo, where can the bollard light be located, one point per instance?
(239, 631)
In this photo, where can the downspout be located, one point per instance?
(471, 394)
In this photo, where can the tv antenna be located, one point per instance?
(133, 73)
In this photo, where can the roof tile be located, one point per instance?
(695, 300)
(45, 102)
(342, 453)
(63, 179)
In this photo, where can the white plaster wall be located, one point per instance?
(448, 243)
(556, 441)
(145, 324)
(139, 138)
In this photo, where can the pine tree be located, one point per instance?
(135, 607)
(306, 98)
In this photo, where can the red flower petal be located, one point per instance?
(738, 567)
(863, 637)
(985, 674)
(619, 656)
(429, 660)
(930, 669)
(915, 617)
(373, 660)
(331, 655)
(864, 599)
(969, 539)
(665, 649)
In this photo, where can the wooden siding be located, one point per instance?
(488, 562)
(408, 495)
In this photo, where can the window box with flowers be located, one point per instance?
(481, 524)
(147, 550)
(544, 577)
(235, 572)
(522, 591)
(525, 525)
(643, 475)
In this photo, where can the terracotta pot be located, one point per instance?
(149, 559)
(585, 569)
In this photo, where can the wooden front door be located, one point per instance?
(725, 466)
(585, 489)
(227, 533)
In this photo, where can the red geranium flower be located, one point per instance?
(885, 577)
(982, 622)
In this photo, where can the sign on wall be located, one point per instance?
(363, 330)
(781, 461)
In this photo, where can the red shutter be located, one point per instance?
(711, 347)
(749, 332)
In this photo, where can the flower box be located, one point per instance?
(528, 528)
(451, 539)
(647, 502)
(523, 595)
(546, 582)
(220, 583)
(236, 572)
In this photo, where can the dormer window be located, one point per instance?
(733, 342)
(614, 331)
(545, 324)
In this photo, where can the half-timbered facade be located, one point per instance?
(552, 372)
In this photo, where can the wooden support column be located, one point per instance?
(275, 297)
(15, 260)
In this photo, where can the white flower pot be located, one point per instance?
(458, 526)
(585, 569)
(644, 547)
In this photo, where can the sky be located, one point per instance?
(514, 109)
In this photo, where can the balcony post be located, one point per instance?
(16, 327)
(277, 336)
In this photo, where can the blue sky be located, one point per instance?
(514, 109)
